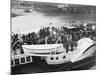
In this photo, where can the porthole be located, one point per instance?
(56, 58)
(16, 61)
(22, 60)
(64, 57)
(12, 63)
(28, 59)
(51, 58)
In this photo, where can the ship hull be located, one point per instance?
(40, 66)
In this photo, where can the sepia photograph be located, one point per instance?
(52, 37)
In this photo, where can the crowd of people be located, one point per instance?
(52, 35)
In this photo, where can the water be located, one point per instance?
(29, 22)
